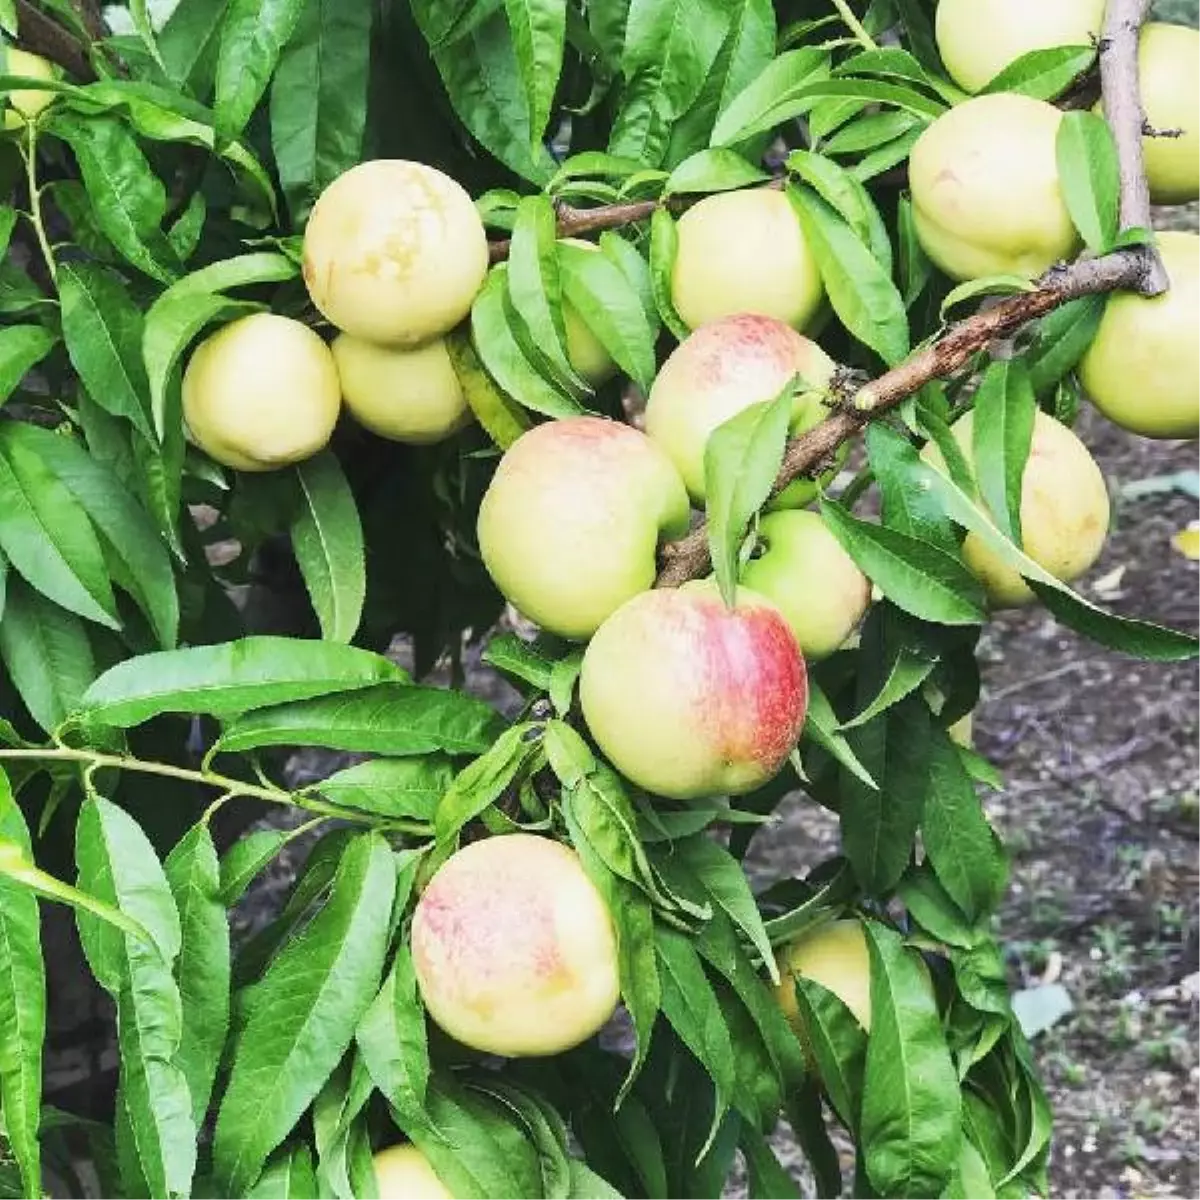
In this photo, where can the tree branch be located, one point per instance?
(41, 35)
(1136, 268)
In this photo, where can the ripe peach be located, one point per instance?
(404, 1173)
(836, 957)
(261, 393)
(1169, 80)
(722, 369)
(744, 252)
(394, 252)
(691, 698)
(569, 526)
(514, 949)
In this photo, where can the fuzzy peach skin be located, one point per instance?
(25, 103)
(722, 369)
(261, 393)
(569, 525)
(836, 957)
(985, 191)
(394, 252)
(1169, 80)
(977, 39)
(1142, 370)
(405, 394)
(807, 574)
(404, 1173)
(514, 949)
(689, 698)
(1064, 510)
(744, 252)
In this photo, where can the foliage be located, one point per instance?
(168, 196)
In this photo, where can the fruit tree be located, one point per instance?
(704, 368)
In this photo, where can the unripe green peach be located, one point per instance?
(835, 956)
(404, 1173)
(1142, 371)
(688, 697)
(394, 252)
(722, 369)
(261, 393)
(514, 949)
(25, 103)
(569, 526)
(977, 39)
(408, 395)
(1064, 510)
(744, 252)
(985, 191)
(807, 574)
(1169, 74)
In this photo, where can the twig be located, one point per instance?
(1136, 268)
(48, 38)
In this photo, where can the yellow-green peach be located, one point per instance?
(744, 252)
(722, 369)
(404, 1173)
(1064, 510)
(394, 252)
(1142, 371)
(25, 103)
(807, 574)
(261, 393)
(688, 697)
(835, 956)
(408, 395)
(514, 949)
(985, 191)
(1169, 72)
(570, 524)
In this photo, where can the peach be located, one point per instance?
(514, 949)
(805, 571)
(261, 393)
(985, 191)
(688, 697)
(404, 1173)
(1169, 62)
(1064, 510)
(835, 956)
(722, 369)
(25, 103)
(570, 523)
(394, 252)
(744, 252)
(1142, 370)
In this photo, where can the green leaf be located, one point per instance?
(498, 347)
(1043, 74)
(664, 244)
(288, 1175)
(103, 330)
(327, 539)
(502, 419)
(253, 36)
(302, 1015)
(990, 285)
(1089, 177)
(741, 459)
(21, 348)
(127, 529)
(1062, 337)
(587, 1185)
(713, 170)
(243, 861)
(930, 906)
(391, 787)
(535, 287)
(231, 678)
(118, 865)
(860, 288)
(46, 535)
(520, 660)
(1001, 435)
(319, 99)
(915, 575)
(128, 199)
(911, 1113)
(870, 132)
(906, 672)
(839, 1046)
(480, 784)
(46, 652)
(844, 193)
(391, 1037)
(754, 109)
(398, 719)
(821, 728)
(806, 1116)
(915, 268)
(202, 968)
(1139, 638)
(22, 1004)
(538, 33)
(768, 1179)
(612, 308)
